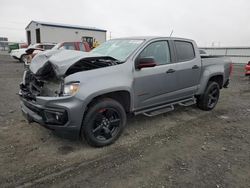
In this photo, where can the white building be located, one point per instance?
(37, 32)
(236, 54)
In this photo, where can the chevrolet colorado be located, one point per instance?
(90, 94)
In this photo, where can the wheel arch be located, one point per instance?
(121, 96)
(206, 78)
(217, 78)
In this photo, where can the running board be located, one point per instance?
(190, 102)
(159, 111)
(166, 108)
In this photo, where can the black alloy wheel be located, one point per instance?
(104, 122)
(213, 96)
(210, 98)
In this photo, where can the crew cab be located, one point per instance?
(89, 95)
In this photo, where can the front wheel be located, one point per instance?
(209, 99)
(104, 122)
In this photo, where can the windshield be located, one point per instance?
(118, 49)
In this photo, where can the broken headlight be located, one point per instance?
(70, 89)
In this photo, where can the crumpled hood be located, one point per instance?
(60, 60)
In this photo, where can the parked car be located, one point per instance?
(21, 54)
(247, 68)
(14, 46)
(90, 94)
(78, 46)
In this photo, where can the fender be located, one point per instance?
(207, 74)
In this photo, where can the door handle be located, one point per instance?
(195, 67)
(170, 71)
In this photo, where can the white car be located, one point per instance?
(21, 55)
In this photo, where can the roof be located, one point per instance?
(153, 37)
(50, 24)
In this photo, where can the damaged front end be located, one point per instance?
(39, 110)
(46, 97)
(47, 72)
(45, 84)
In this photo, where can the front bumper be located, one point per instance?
(62, 114)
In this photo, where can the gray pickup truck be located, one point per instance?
(89, 95)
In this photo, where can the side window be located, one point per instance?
(185, 51)
(159, 51)
(69, 46)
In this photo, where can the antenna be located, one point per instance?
(171, 33)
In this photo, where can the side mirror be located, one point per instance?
(145, 62)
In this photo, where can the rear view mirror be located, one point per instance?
(145, 62)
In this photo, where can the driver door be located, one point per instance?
(155, 85)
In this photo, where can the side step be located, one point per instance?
(167, 107)
(159, 111)
(188, 102)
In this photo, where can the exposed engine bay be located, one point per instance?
(91, 63)
(48, 80)
(32, 86)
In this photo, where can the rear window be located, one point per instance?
(185, 51)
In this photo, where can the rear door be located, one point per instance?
(155, 85)
(188, 69)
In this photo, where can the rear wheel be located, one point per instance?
(209, 99)
(104, 122)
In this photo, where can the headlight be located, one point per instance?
(71, 88)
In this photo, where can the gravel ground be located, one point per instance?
(184, 148)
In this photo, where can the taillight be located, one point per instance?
(231, 69)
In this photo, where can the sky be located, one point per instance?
(208, 22)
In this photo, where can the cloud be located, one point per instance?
(224, 22)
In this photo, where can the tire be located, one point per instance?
(209, 99)
(103, 123)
